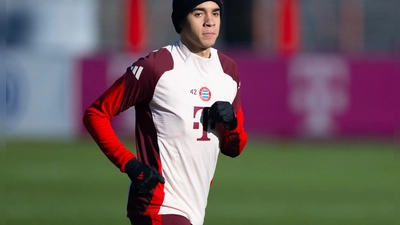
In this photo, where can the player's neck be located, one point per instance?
(202, 52)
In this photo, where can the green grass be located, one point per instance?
(271, 183)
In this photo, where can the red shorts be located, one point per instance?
(160, 220)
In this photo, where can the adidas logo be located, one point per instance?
(137, 71)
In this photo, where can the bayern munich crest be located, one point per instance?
(205, 94)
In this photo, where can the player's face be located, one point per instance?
(201, 29)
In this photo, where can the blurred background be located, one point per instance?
(320, 95)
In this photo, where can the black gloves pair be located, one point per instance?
(222, 112)
(143, 177)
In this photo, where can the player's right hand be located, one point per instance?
(222, 112)
(144, 178)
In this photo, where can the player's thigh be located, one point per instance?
(160, 220)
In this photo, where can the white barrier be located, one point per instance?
(39, 95)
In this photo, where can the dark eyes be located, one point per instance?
(201, 14)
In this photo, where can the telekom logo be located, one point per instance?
(203, 111)
(318, 91)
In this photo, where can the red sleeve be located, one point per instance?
(97, 120)
(135, 87)
(233, 142)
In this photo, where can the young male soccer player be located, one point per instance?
(187, 101)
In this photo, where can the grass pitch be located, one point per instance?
(271, 183)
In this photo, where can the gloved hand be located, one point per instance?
(222, 112)
(144, 178)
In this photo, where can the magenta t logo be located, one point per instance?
(196, 125)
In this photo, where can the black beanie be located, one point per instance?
(181, 8)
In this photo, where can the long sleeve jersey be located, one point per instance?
(172, 90)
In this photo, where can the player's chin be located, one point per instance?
(208, 43)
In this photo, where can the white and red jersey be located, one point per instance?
(172, 90)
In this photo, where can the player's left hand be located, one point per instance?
(222, 112)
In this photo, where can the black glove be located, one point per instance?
(144, 178)
(222, 112)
